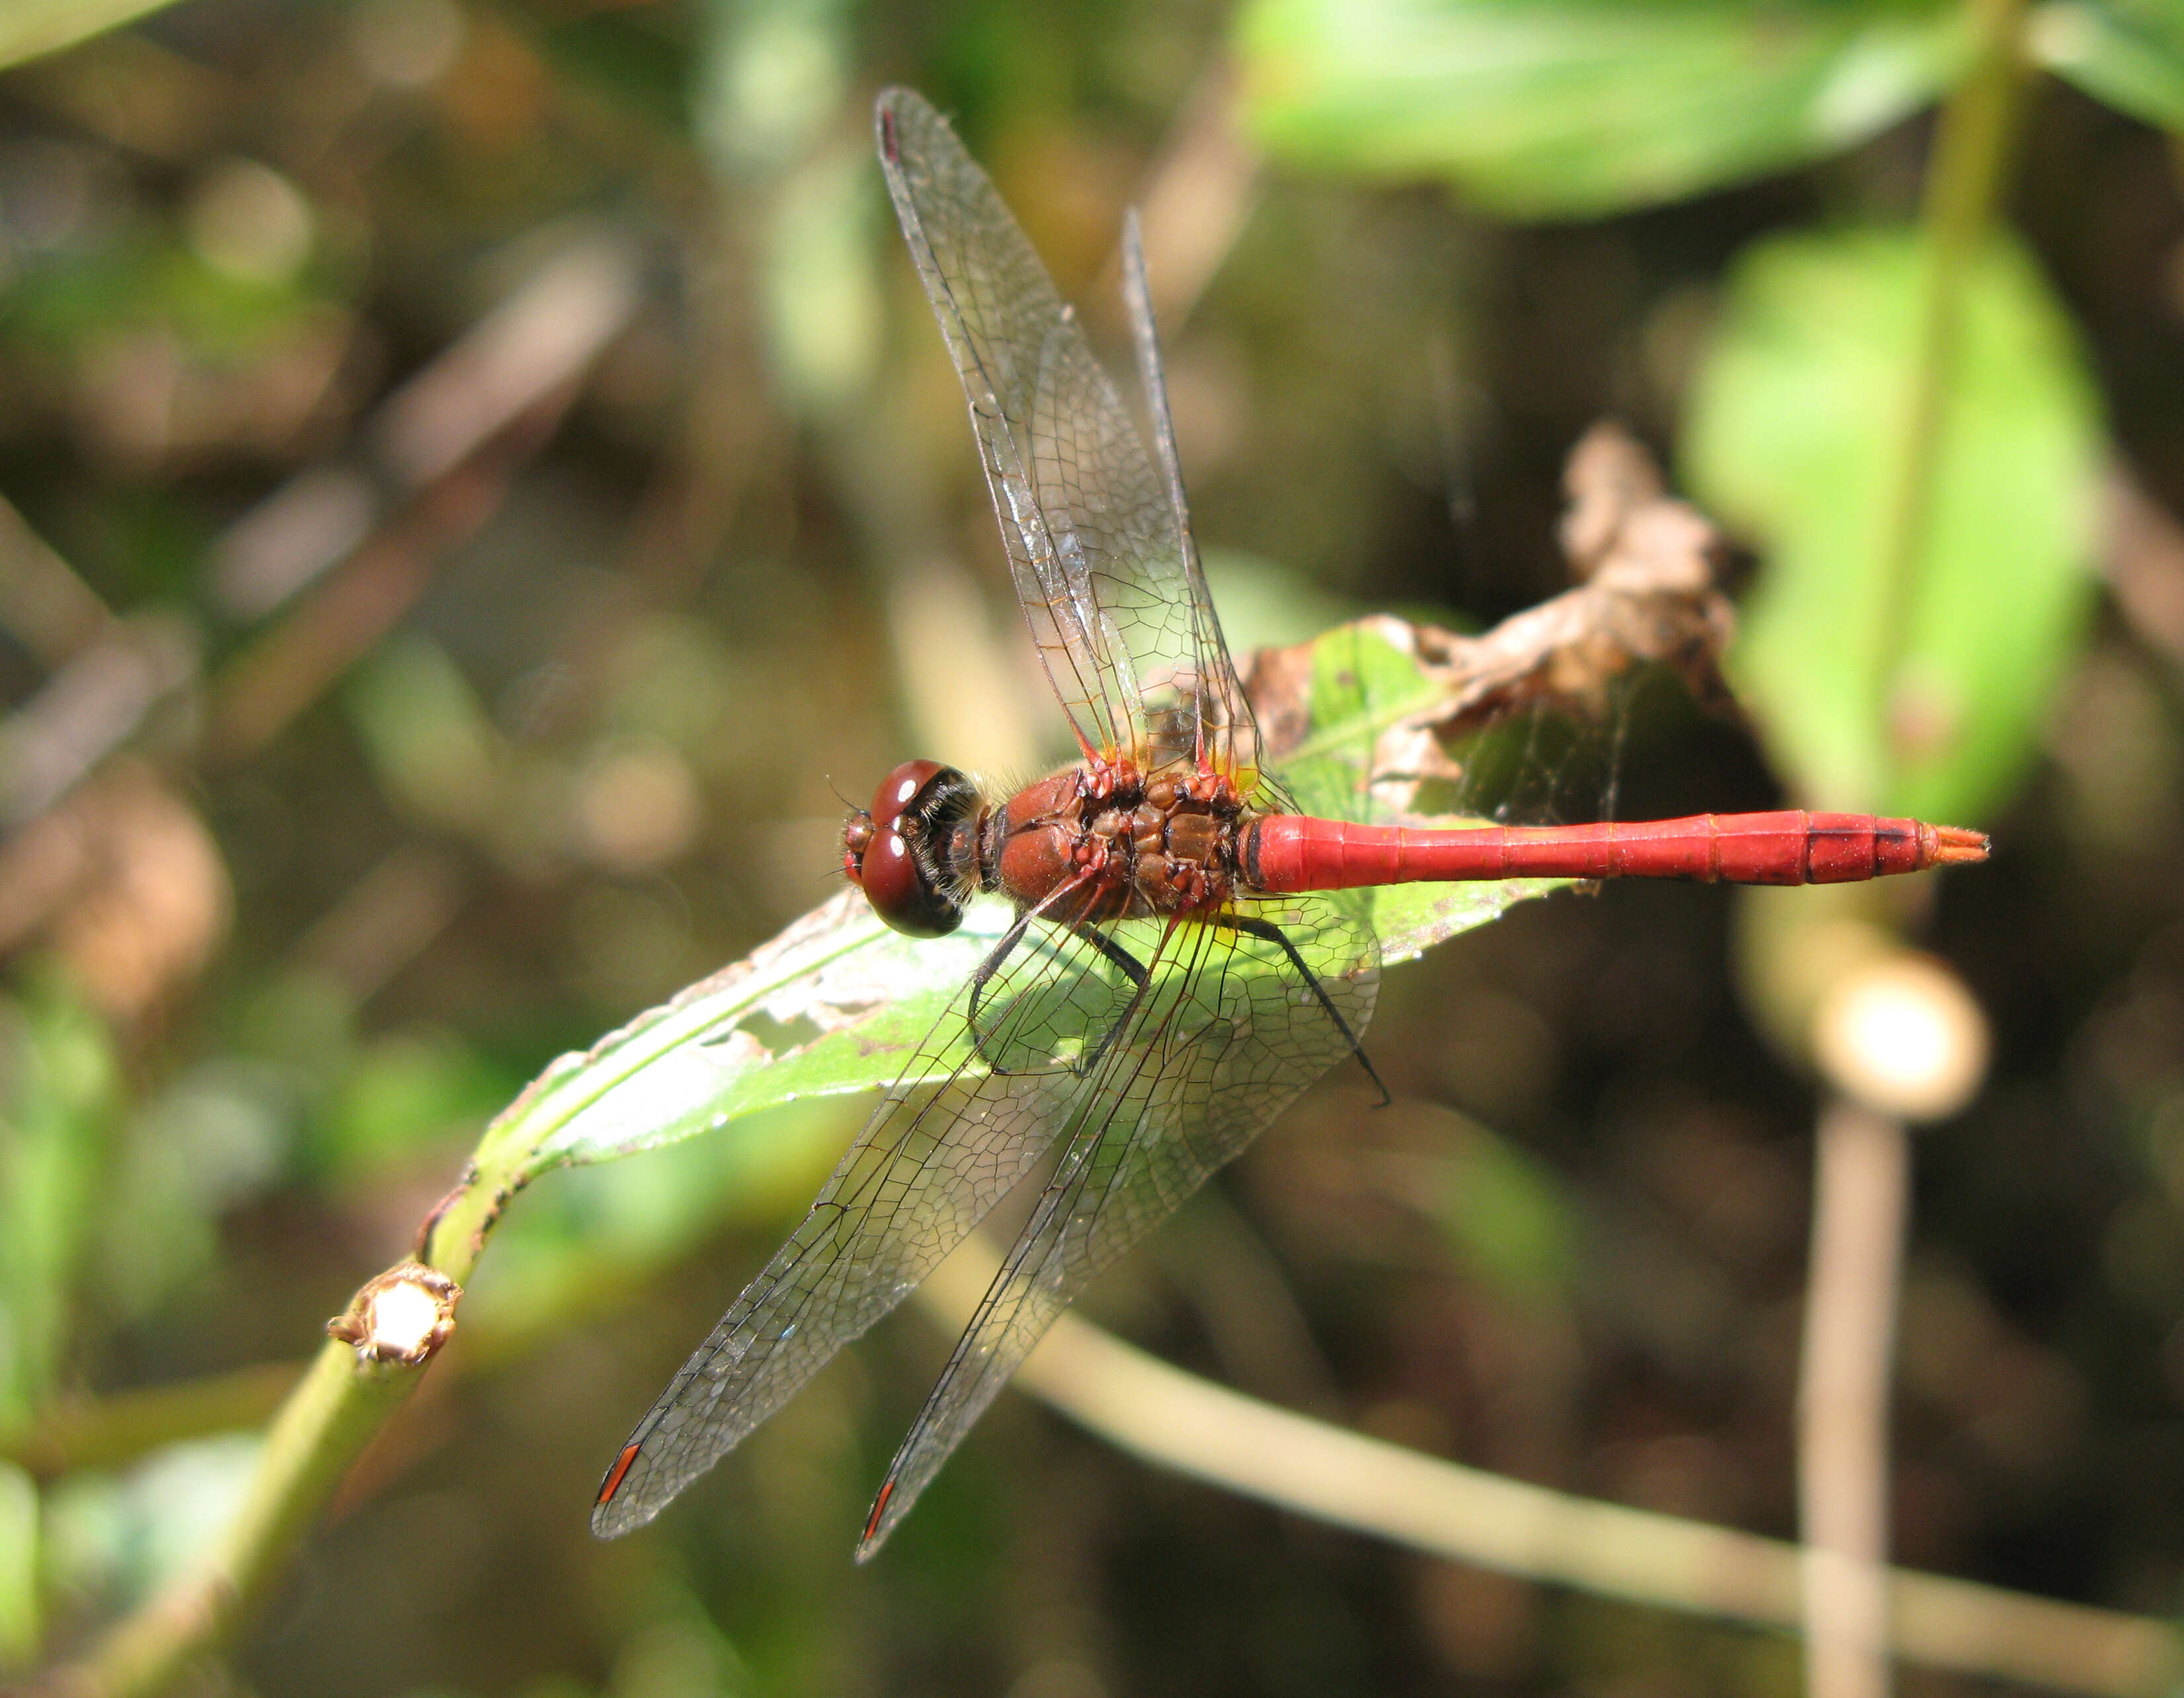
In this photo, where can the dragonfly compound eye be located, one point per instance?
(891, 853)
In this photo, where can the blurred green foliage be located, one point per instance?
(1586, 106)
(21, 1609)
(2127, 53)
(62, 1100)
(1922, 694)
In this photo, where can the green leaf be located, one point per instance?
(29, 28)
(834, 1004)
(1569, 108)
(1412, 918)
(837, 1002)
(1364, 684)
(1791, 435)
(2129, 53)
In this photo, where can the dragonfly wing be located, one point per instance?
(972, 1114)
(1098, 548)
(1226, 1033)
(1222, 709)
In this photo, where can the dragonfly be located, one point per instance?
(1188, 951)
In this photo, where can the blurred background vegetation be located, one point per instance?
(484, 484)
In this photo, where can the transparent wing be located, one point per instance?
(1226, 1032)
(1225, 721)
(1098, 545)
(973, 1113)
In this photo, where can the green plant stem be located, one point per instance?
(1963, 184)
(321, 1428)
(320, 1431)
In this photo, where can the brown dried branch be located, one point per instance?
(1645, 564)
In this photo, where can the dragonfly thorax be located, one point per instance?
(1093, 843)
(1103, 841)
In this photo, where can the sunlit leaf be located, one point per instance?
(1412, 918)
(838, 1001)
(29, 28)
(1574, 107)
(1792, 435)
(2127, 53)
(834, 1003)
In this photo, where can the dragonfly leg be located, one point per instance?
(1270, 933)
(980, 979)
(1133, 969)
(1136, 971)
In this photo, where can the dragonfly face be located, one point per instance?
(911, 850)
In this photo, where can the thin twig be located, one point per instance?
(535, 344)
(1863, 1159)
(1197, 195)
(1163, 1415)
(445, 447)
(2143, 561)
(88, 709)
(43, 604)
(115, 1429)
(1861, 1182)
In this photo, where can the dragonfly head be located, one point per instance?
(902, 851)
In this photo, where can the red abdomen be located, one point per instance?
(1289, 852)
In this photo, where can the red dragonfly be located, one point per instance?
(1188, 952)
